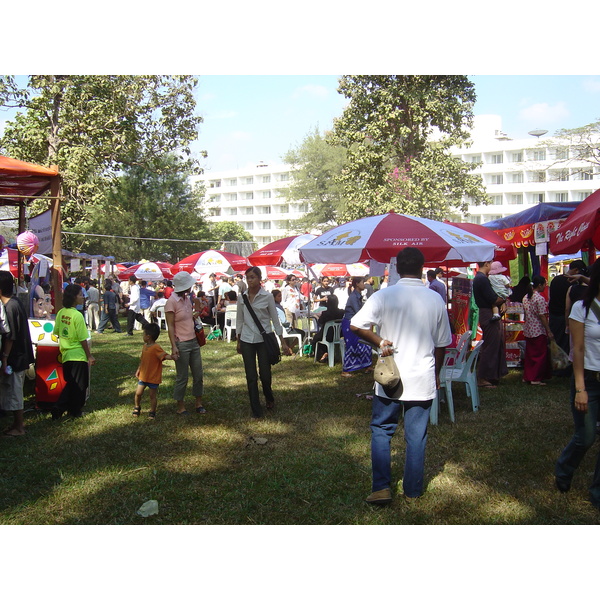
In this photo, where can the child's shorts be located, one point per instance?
(152, 386)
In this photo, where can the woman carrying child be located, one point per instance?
(500, 285)
(149, 373)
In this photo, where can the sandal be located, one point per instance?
(152, 415)
(200, 410)
(136, 411)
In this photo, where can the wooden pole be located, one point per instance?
(21, 229)
(56, 272)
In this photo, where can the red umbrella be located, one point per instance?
(341, 270)
(505, 251)
(149, 271)
(381, 237)
(270, 272)
(579, 228)
(280, 251)
(210, 261)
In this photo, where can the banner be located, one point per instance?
(42, 227)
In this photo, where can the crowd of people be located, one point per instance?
(405, 321)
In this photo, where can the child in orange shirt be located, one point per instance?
(149, 373)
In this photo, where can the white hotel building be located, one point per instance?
(517, 174)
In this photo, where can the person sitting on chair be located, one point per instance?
(332, 312)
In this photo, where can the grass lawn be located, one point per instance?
(491, 467)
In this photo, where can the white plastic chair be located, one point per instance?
(160, 317)
(230, 320)
(465, 372)
(335, 343)
(309, 325)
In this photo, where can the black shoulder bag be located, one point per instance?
(269, 338)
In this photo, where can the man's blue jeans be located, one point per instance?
(384, 422)
(582, 440)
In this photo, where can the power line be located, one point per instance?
(124, 237)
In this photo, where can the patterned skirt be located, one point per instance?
(357, 354)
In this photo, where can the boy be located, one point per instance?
(149, 373)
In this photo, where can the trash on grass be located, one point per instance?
(148, 509)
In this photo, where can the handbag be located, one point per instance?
(200, 335)
(269, 338)
(387, 375)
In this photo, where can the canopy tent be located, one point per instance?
(22, 182)
(530, 227)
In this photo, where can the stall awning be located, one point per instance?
(20, 181)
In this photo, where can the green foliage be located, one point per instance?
(229, 231)
(316, 165)
(143, 203)
(398, 131)
(94, 126)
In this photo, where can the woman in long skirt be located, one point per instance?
(357, 355)
(537, 334)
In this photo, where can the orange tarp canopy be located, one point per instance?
(18, 178)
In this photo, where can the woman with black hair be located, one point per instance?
(537, 332)
(584, 324)
(250, 343)
(77, 359)
(357, 354)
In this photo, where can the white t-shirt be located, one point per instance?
(415, 319)
(591, 332)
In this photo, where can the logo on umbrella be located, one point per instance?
(345, 238)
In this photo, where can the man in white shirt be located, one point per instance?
(414, 327)
(133, 308)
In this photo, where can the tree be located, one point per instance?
(316, 165)
(95, 126)
(578, 147)
(229, 231)
(143, 203)
(398, 131)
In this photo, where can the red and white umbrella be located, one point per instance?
(381, 237)
(211, 261)
(579, 229)
(341, 270)
(148, 271)
(505, 250)
(270, 272)
(281, 251)
(115, 268)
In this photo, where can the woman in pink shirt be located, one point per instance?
(537, 334)
(184, 345)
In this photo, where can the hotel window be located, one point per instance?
(561, 153)
(284, 209)
(266, 179)
(248, 226)
(264, 225)
(248, 210)
(491, 218)
(561, 197)
(496, 159)
(249, 180)
(516, 178)
(539, 176)
(496, 199)
(535, 199)
(562, 175)
(232, 211)
(266, 194)
(539, 155)
(497, 179)
(476, 158)
(581, 196)
(249, 196)
(475, 219)
(215, 212)
(515, 199)
(215, 183)
(213, 199)
(284, 177)
(263, 210)
(516, 157)
(585, 175)
(231, 197)
(232, 182)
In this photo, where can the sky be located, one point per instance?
(248, 119)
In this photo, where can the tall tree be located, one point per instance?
(316, 165)
(144, 203)
(94, 126)
(229, 231)
(578, 148)
(398, 131)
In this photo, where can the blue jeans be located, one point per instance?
(384, 422)
(582, 440)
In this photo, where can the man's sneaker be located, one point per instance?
(496, 317)
(380, 497)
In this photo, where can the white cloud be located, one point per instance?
(543, 113)
(240, 135)
(317, 91)
(591, 85)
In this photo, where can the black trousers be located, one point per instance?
(74, 394)
(250, 354)
(132, 316)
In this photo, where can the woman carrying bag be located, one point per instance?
(185, 349)
(584, 325)
(250, 342)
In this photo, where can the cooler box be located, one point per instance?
(49, 381)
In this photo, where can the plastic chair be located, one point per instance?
(309, 325)
(460, 372)
(160, 317)
(230, 320)
(296, 336)
(332, 345)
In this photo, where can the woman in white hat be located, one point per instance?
(184, 345)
